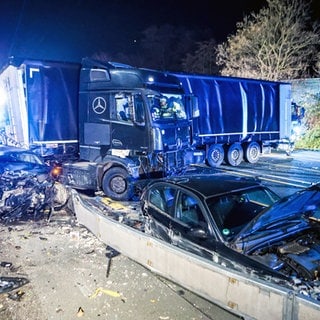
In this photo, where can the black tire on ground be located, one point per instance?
(116, 184)
(215, 155)
(234, 154)
(252, 152)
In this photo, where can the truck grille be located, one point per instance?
(176, 138)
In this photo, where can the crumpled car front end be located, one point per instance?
(286, 239)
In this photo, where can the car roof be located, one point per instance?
(209, 185)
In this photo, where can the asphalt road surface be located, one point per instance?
(285, 174)
(70, 275)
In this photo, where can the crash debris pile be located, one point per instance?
(24, 196)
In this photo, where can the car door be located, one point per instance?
(190, 229)
(160, 204)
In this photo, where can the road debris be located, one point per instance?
(17, 296)
(24, 196)
(111, 293)
(8, 284)
(80, 312)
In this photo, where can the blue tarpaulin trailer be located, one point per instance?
(41, 105)
(238, 118)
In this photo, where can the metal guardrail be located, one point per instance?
(241, 293)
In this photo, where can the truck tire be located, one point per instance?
(215, 155)
(116, 184)
(252, 152)
(234, 154)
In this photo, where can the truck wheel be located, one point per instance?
(252, 152)
(215, 155)
(116, 184)
(234, 154)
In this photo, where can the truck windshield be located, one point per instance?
(167, 106)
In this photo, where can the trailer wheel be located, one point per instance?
(234, 154)
(252, 152)
(116, 184)
(215, 155)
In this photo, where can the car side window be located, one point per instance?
(156, 199)
(189, 212)
(163, 198)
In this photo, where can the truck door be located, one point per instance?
(129, 131)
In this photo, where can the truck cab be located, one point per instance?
(132, 124)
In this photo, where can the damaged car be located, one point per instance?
(15, 159)
(240, 222)
(28, 186)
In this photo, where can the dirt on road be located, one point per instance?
(70, 276)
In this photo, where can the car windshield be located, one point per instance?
(233, 211)
(21, 157)
(28, 157)
(167, 107)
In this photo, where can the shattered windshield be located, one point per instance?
(167, 106)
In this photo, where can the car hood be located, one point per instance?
(294, 211)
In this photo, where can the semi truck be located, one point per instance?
(103, 119)
(109, 118)
(238, 118)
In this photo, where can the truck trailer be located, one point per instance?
(103, 116)
(238, 118)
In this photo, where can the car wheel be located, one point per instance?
(215, 155)
(234, 154)
(252, 152)
(116, 184)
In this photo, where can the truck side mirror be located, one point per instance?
(194, 104)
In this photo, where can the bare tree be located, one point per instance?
(279, 42)
(162, 47)
(316, 65)
(203, 59)
(102, 56)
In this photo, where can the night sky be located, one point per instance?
(72, 29)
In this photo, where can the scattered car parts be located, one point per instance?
(11, 283)
(28, 187)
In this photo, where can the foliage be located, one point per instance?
(277, 43)
(311, 140)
